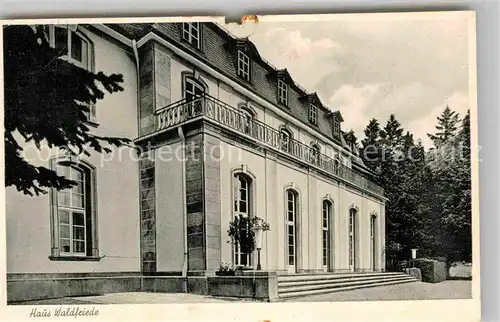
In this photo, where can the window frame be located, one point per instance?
(291, 258)
(313, 114)
(336, 128)
(238, 177)
(187, 29)
(282, 92)
(244, 60)
(50, 30)
(326, 232)
(89, 211)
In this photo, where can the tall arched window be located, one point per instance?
(74, 227)
(373, 241)
(291, 227)
(75, 47)
(242, 208)
(326, 232)
(352, 239)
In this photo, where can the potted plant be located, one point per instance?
(246, 233)
(225, 269)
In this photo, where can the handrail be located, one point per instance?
(222, 113)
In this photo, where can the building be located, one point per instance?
(257, 144)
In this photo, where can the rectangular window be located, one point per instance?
(313, 114)
(336, 128)
(243, 66)
(191, 33)
(282, 92)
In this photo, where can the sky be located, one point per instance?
(374, 67)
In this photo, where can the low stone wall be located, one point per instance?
(26, 287)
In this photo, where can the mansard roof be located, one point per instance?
(218, 51)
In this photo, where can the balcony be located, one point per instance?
(214, 110)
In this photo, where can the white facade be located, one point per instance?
(175, 245)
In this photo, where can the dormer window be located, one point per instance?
(336, 128)
(191, 33)
(243, 66)
(282, 92)
(313, 114)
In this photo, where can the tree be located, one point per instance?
(446, 128)
(370, 146)
(47, 101)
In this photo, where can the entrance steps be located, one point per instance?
(310, 284)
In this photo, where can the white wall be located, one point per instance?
(28, 218)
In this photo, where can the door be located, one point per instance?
(352, 240)
(291, 231)
(193, 93)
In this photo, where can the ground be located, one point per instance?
(411, 291)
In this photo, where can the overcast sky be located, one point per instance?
(372, 68)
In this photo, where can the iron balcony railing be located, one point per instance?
(213, 109)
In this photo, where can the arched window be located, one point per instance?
(373, 241)
(248, 116)
(286, 137)
(352, 239)
(242, 207)
(314, 153)
(74, 232)
(193, 89)
(291, 227)
(326, 232)
(74, 47)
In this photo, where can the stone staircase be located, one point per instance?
(310, 284)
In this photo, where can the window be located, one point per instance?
(75, 48)
(248, 117)
(352, 239)
(286, 140)
(326, 215)
(336, 128)
(313, 114)
(243, 66)
(314, 151)
(291, 227)
(242, 199)
(191, 33)
(282, 92)
(73, 212)
(373, 241)
(193, 91)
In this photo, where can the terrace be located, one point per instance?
(215, 111)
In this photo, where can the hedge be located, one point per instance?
(433, 271)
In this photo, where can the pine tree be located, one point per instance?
(371, 151)
(47, 102)
(446, 128)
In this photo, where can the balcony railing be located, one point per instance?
(226, 115)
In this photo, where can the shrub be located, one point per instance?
(433, 271)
